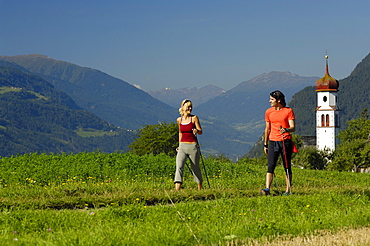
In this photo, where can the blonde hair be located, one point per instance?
(186, 102)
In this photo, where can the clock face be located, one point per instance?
(324, 98)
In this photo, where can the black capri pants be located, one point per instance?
(275, 149)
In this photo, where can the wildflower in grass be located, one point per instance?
(49, 229)
(137, 199)
(92, 213)
(15, 232)
(308, 206)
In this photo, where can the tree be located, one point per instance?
(156, 139)
(310, 158)
(351, 154)
(354, 149)
(357, 129)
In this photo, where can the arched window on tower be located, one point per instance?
(322, 120)
(327, 120)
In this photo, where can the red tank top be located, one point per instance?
(187, 132)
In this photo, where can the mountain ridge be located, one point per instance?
(352, 100)
(233, 121)
(198, 95)
(35, 117)
(109, 98)
(243, 106)
(137, 107)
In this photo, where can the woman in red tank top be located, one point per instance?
(189, 127)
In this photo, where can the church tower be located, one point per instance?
(327, 111)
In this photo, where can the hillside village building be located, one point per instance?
(327, 111)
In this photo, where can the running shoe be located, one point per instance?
(265, 192)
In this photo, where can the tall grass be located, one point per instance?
(124, 199)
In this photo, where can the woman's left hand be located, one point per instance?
(283, 130)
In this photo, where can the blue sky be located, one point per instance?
(178, 44)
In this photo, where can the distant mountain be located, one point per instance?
(197, 95)
(353, 98)
(233, 121)
(34, 116)
(118, 102)
(243, 107)
(110, 98)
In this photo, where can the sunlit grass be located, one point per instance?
(123, 199)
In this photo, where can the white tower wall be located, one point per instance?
(327, 123)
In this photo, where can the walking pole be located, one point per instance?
(286, 163)
(204, 166)
(186, 163)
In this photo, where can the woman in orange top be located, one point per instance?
(189, 127)
(280, 121)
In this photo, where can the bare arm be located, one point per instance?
(266, 137)
(198, 127)
(178, 124)
(291, 127)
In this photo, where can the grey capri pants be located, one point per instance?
(192, 152)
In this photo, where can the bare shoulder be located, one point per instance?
(178, 120)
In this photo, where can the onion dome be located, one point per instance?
(327, 83)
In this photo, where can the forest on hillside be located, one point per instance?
(34, 116)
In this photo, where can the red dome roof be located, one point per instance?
(327, 83)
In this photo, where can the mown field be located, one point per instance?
(124, 199)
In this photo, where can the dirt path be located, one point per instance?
(352, 237)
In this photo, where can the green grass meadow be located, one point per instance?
(125, 199)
